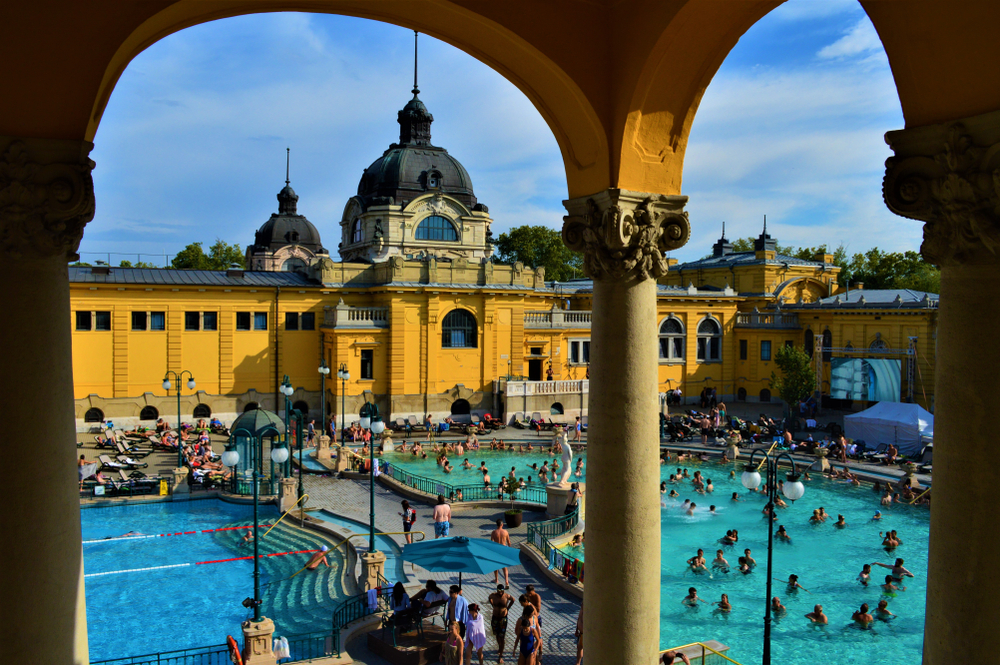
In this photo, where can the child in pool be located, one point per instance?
(865, 575)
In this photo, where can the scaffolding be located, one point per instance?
(910, 353)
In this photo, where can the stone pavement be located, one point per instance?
(350, 498)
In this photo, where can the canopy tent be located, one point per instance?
(891, 422)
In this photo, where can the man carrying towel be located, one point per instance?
(317, 558)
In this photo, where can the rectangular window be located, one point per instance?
(307, 321)
(157, 321)
(139, 321)
(102, 320)
(368, 364)
(579, 351)
(291, 320)
(743, 349)
(260, 320)
(192, 321)
(765, 349)
(243, 320)
(209, 321)
(83, 321)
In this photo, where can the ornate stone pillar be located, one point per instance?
(46, 198)
(948, 176)
(623, 236)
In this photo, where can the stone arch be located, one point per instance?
(93, 415)
(556, 409)
(202, 411)
(149, 412)
(461, 407)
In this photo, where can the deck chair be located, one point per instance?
(415, 426)
(132, 451)
(402, 623)
(519, 421)
(879, 455)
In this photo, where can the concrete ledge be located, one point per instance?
(554, 577)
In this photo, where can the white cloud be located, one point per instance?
(860, 39)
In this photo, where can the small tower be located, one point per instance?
(722, 246)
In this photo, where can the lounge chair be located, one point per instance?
(415, 426)
(130, 450)
(478, 426)
(880, 454)
(120, 462)
(519, 421)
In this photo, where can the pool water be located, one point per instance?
(826, 559)
(498, 463)
(394, 570)
(184, 606)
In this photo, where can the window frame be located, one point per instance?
(357, 232)
(765, 344)
(709, 342)
(104, 315)
(448, 333)
(367, 357)
(744, 349)
(89, 317)
(152, 321)
(257, 317)
(307, 321)
(581, 346)
(433, 229)
(249, 321)
(204, 321)
(138, 317)
(291, 320)
(190, 317)
(672, 339)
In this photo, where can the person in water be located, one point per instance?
(817, 616)
(862, 617)
(318, 558)
(793, 584)
(697, 562)
(889, 588)
(865, 575)
(898, 572)
(777, 607)
(692, 599)
(883, 609)
(723, 604)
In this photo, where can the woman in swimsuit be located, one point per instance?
(526, 634)
(453, 645)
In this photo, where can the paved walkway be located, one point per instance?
(559, 610)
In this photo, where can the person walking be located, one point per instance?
(409, 516)
(501, 602)
(501, 536)
(442, 518)
(578, 430)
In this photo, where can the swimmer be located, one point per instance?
(823, 514)
(776, 606)
(719, 562)
(579, 468)
(889, 587)
(815, 519)
(793, 584)
(684, 506)
(865, 575)
(728, 538)
(723, 604)
(663, 487)
(692, 599)
(805, 476)
(750, 560)
(817, 616)
(736, 497)
(467, 464)
(877, 515)
(690, 510)
(673, 494)
(862, 617)
(711, 510)
(883, 609)
(744, 566)
(783, 534)
(248, 537)
(898, 572)
(317, 558)
(840, 523)
(697, 562)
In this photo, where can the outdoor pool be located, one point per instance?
(498, 463)
(174, 601)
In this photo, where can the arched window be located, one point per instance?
(149, 413)
(459, 330)
(202, 411)
(93, 415)
(301, 406)
(741, 395)
(765, 395)
(879, 344)
(709, 341)
(810, 342)
(357, 234)
(461, 407)
(293, 265)
(251, 406)
(436, 227)
(671, 339)
(827, 345)
(556, 409)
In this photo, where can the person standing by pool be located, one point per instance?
(501, 602)
(817, 616)
(577, 430)
(409, 516)
(527, 633)
(442, 518)
(475, 634)
(500, 535)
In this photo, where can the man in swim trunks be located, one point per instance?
(500, 535)
(501, 602)
(442, 518)
(317, 558)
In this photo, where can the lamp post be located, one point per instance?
(344, 377)
(287, 390)
(370, 419)
(178, 377)
(324, 371)
(793, 489)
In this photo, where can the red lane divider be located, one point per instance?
(243, 558)
(179, 533)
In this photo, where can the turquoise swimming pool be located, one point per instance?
(147, 595)
(498, 463)
(826, 559)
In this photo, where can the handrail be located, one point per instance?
(920, 495)
(382, 533)
(304, 496)
(545, 546)
(769, 451)
(477, 492)
(703, 647)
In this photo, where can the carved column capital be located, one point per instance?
(948, 176)
(46, 197)
(623, 235)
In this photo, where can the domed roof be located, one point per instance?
(413, 166)
(287, 227)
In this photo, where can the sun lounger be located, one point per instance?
(130, 451)
(414, 425)
(519, 421)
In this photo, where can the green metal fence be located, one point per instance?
(211, 655)
(539, 534)
(357, 607)
(470, 492)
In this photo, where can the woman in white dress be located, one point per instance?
(475, 634)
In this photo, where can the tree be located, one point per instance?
(138, 264)
(220, 257)
(539, 247)
(893, 270)
(797, 380)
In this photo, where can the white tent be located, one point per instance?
(891, 422)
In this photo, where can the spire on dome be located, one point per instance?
(287, 198)
(764, 242)
(415, 120)
(722, 246)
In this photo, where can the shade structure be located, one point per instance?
(459, 554)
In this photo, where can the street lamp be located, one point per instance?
(287, 390)
(344, 377)
(793, 489)
(178, 377)
(324, 371)
(371, 420)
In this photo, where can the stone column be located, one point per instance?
(46, 198)
(372, 568)
(949, 177)
(623, 236)
(181, 485)
(288, 494)
(258, 637)
(323, 450)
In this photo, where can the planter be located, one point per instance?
(512, 518)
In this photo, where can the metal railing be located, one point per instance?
(306, 646)
(211, 655)
(779, 320)
(356, 607)
(539, 534)
(433, 486)
(244, 486)
(116, 489)
(704, 648)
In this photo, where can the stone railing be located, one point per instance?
(557, 318)
(344, 316)
(528, 388)
(783, 320)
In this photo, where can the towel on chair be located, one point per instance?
(372, 600)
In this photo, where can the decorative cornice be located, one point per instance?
(46, 197)
(949, 177)
(623, 235)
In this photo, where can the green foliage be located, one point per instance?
(80, 264)
(220, 257)
(138, 264)
(797, 379)
(539, 246)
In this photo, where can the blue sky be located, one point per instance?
(192, 144)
